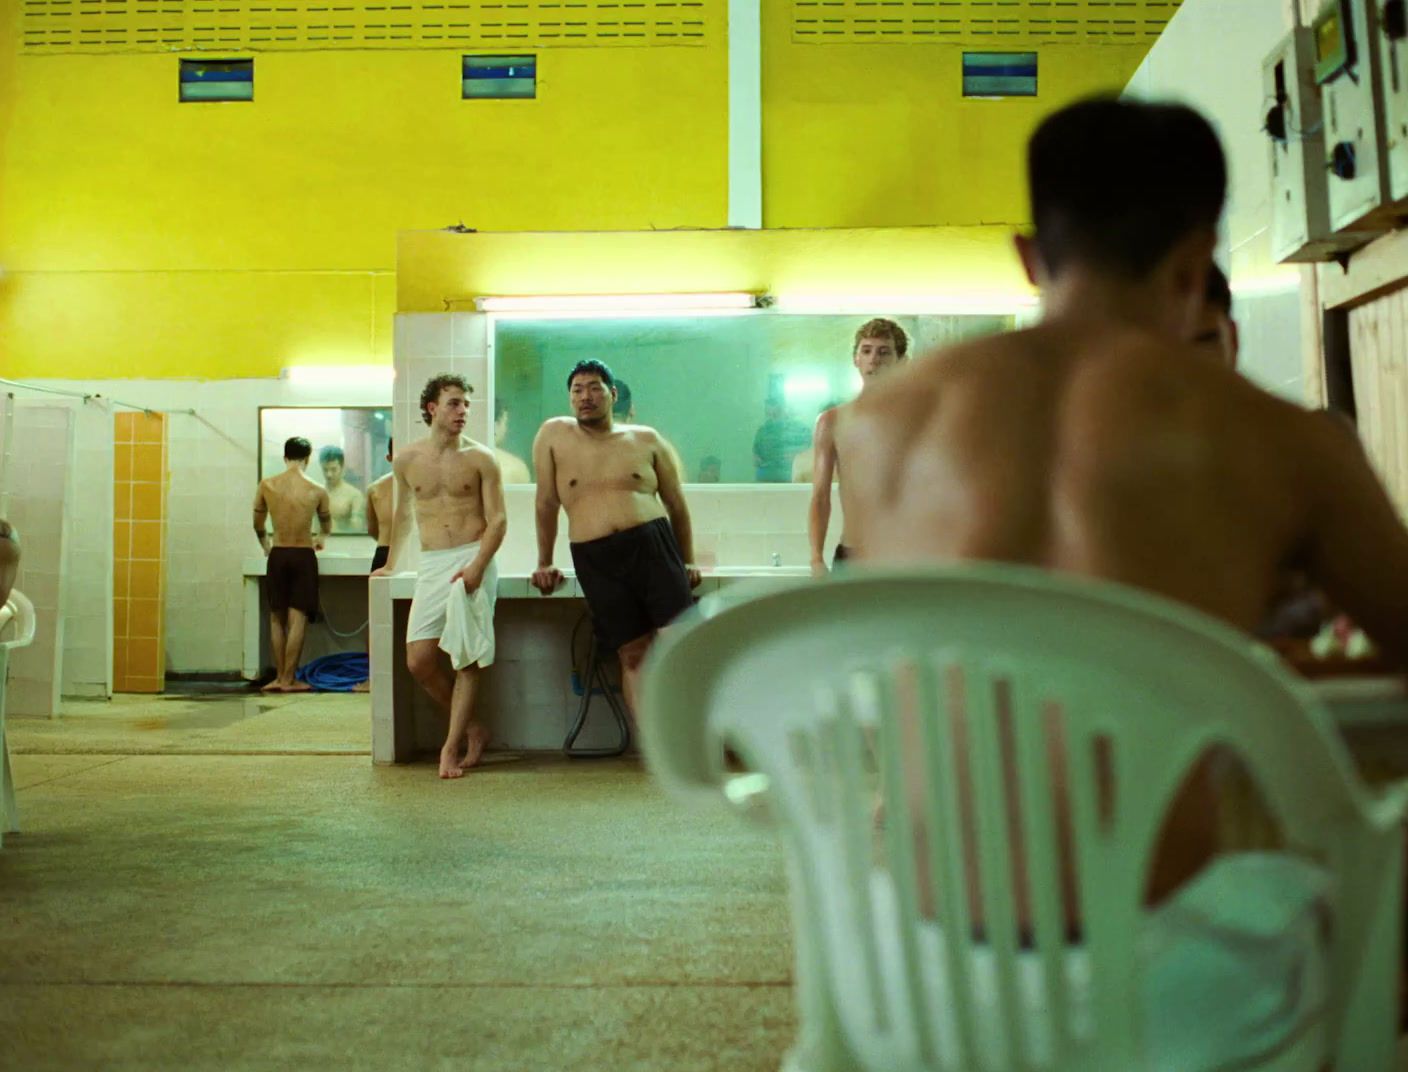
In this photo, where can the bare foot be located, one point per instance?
(274, 686)
(298, 686)
(474, 748)
(449, 762)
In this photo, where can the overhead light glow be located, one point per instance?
(992, 303)
(619, 303)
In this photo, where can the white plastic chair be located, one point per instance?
(16, 631)
(817, 691)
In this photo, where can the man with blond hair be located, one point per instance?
(879, 346)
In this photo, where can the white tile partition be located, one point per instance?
(213, 460)
(40, 485)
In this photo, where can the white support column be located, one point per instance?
(745, 113)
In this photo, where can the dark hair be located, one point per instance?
(880, 328)
(331, 454)
(1218, 293)
(500, 408)
(594, 368)
(297, 448)
(390, 442)
(623, 399)
(435, 385)
(711, 459)
(1116, 184)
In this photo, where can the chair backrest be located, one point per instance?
(910, 728)
(17, 626)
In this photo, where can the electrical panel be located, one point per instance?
(1300, 198)
(1347, 68)
(1393, 57)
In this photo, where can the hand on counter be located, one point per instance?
(547, 580)
(381, 571)
(694, 574)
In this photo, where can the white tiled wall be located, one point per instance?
(213, 456)
(88, 600)
(39, 482)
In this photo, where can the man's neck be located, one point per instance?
(1080, 297)
(601, 428)
(445, 439)
(292, 467)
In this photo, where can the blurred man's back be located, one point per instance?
(1102, 442)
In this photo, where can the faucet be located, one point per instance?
(776, 559)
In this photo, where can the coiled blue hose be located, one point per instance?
(339, 672)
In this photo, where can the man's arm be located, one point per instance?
(400, 516)
(491, 493)
(261, 517)
(324, 519)
(546, 503)
(9, 559)
(1358, 550)
(373, 525)
(823, 465)
(667, 480)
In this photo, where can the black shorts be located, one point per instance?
(379, 558)
(292, 579)
(634, 581)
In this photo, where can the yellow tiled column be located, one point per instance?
(139, 553)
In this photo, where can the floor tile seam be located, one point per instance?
(71, 774)
(197, 984)
(125, 753)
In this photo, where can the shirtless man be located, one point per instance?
(348, 507)
(381, 498)
(879, 345)
(1101, 443)
(458, 498)
(513, 468)
(291, 577)
(632, 544)
(9, 559)
(1216, 332)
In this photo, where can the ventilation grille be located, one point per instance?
(1005, 22)
(248, 25)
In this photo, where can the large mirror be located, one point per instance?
(350, 445)
(736, 395)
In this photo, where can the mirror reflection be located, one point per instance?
(350, 445)
(736, 396)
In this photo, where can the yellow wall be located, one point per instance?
(142, 237)
(901, 267)
(879, 134)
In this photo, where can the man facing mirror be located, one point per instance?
(513, 468)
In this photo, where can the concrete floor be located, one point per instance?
(229, 884)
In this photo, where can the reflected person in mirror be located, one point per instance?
(624, 412)
(291, 576)
(879, 346)
(513, 468)
(632, 544)
(381, 500)
(453, 485)
(348, 506)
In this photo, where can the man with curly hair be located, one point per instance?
(454, 486)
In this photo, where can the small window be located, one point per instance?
(217, 80)
(999, 74)
(500, 77)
